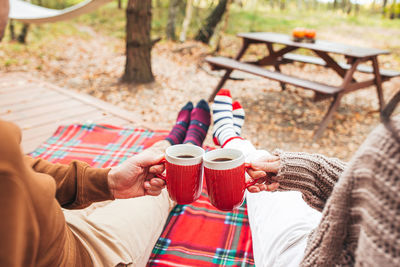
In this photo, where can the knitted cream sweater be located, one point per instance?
(360, 202)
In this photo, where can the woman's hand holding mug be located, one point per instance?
(264, 170)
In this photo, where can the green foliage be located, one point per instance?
(393, 11)
(10, 61)
(110, 21)
(285, 21)
(56, 4)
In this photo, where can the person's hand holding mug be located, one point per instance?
(136, 176)
(264, 170)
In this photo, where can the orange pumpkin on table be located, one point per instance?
(298, 33)
(310, 33)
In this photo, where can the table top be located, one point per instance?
(318, 45)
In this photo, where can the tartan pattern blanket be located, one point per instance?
(194, 235)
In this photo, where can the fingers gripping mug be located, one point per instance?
(184, 172)
(224, 171)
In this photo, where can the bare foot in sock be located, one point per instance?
(238, 117)
(199, 123)
(178, 132)
(223, 130)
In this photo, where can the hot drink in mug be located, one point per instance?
(224, 172)
(184, 171)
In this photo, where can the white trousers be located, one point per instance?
(280, 222)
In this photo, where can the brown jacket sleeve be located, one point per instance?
(313, 175)
(78, 184)
(19, 231)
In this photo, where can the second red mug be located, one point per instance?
(184, 172)
(224, 172)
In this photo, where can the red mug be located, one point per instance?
(184, 172)
(224, 171)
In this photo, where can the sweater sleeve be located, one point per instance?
(313, 175)
(78, 184)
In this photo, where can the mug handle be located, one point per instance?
(248, 184)
(160, 175)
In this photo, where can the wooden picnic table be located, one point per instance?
(322, 49)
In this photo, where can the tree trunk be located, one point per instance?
(4, 8)
(307, 4)
(384, 6)
(206, 32)
(223, 28)
(356, 8)
(349, 7)
(393, 10)
(12, 30)
(299, 5)
(271, 4)
(315, 4)
(138, 42)
(186, 21)
(335, 4)
(172, 12)
(282, 4)
(344, 4)
(24, 33)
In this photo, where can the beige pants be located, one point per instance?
(123, 231)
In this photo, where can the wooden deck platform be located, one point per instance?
(39, 107)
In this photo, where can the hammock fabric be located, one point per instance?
(194, 235)
(29, 13)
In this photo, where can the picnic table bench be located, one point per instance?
(354, 56)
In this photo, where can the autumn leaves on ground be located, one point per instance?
(82, 57)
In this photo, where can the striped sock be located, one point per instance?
(199, 124)
(238, 117)
(223, 130)
(178, 132)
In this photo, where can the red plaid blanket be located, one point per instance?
(194, 235)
